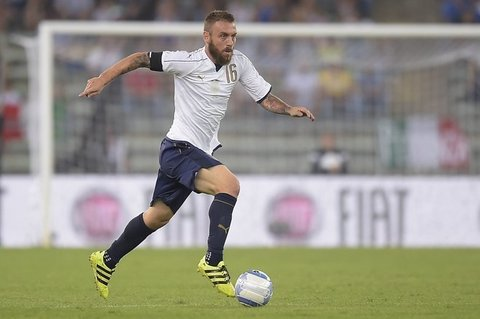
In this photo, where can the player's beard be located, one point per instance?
(218, 55)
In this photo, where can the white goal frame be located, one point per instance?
(48, 29)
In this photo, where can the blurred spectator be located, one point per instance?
(372, 88)
(353, 10)
(364, 8)
(8, 15)
(243, 11)
(36, 11)
(272, 57)
(269, 11)
(328, 159)
(141, 10)
(11, 108)
(207, 6)
(107, 10)
(302, 83)
(306, 11)
(337, 90)
(166, 10)
(104, 54)
(337, 82)
(73, 10)
(460, 11)
(330, 50)
(346, 10)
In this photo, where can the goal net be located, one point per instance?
(394, 99)
(384, 94)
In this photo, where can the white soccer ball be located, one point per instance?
(253, 288)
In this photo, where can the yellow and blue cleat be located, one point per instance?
(102, 273)
(218, 276)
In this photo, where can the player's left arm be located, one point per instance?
(274, 104)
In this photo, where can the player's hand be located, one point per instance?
(94, 87)
(300, 112)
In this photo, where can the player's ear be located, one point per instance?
(206, 36)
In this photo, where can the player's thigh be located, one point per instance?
(217, 179)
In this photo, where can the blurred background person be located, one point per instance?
(328, 159)
(460, 11)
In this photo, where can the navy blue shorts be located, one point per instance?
(179, 163)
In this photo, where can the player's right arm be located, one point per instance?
(97, 84)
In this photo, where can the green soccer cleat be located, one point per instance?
(218, 275)
(102, 273)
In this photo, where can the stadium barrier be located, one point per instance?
(271, 211)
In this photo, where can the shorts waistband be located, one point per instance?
(179, 143)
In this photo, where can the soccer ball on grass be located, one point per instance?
(253, 288)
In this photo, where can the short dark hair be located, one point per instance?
(217, 15)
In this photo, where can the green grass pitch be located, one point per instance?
(308, 283)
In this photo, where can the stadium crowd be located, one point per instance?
(24, 15)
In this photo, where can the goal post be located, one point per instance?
(52, 33)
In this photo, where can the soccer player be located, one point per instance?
(204, 80)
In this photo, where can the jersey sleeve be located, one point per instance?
(177, 62)
(253, 82)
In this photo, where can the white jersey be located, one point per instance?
(202, 91)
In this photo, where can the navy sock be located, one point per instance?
(220, 214)
(135, 232)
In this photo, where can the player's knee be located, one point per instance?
(157, 216)
(236, 188)
(232, 187)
